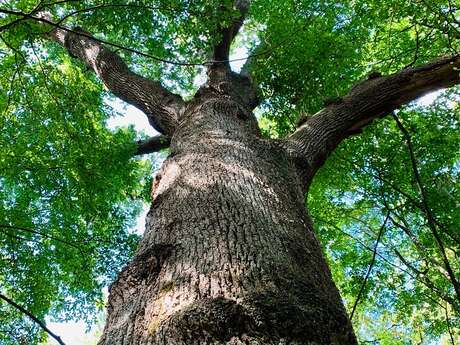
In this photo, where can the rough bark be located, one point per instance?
(376, 97)
(229, 255)
(160, 105)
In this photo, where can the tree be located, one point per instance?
(229, 255)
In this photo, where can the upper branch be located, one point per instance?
(161, 106)
(222, 49)
(221, 79)
(375, 97)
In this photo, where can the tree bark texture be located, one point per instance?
(368, 100)
(160, 105)
(229, 255)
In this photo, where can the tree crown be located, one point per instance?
(71, 188)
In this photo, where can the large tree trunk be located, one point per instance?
(229, 255)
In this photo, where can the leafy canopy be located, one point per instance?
(71, 189)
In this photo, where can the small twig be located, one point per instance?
(414, 202)
(119, 46)
(417, 47)
(104, 6)
(424, 197)
(10, 91)
(6, 226)
(16, 237)
(371, 264)
(33, 317)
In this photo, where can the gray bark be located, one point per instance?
(370, 99)
(229, 255)
(160, 105)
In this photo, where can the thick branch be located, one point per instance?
(153, 144)
(319, 136)
(32, 317)
(222, 49)
(160, 105)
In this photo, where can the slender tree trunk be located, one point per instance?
(229, 255)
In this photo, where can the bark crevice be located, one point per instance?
(247, 268)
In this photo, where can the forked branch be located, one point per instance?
(222, 49)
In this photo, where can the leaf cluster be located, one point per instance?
(69, 192)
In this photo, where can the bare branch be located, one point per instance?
(376, 97)
(153, 144)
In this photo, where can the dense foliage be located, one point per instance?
(368, 187)
(71, 188)
(67, 188)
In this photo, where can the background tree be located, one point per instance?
(385, 203)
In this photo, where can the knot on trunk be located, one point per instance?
(144, 268)
(224, 82)
(205, 321)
